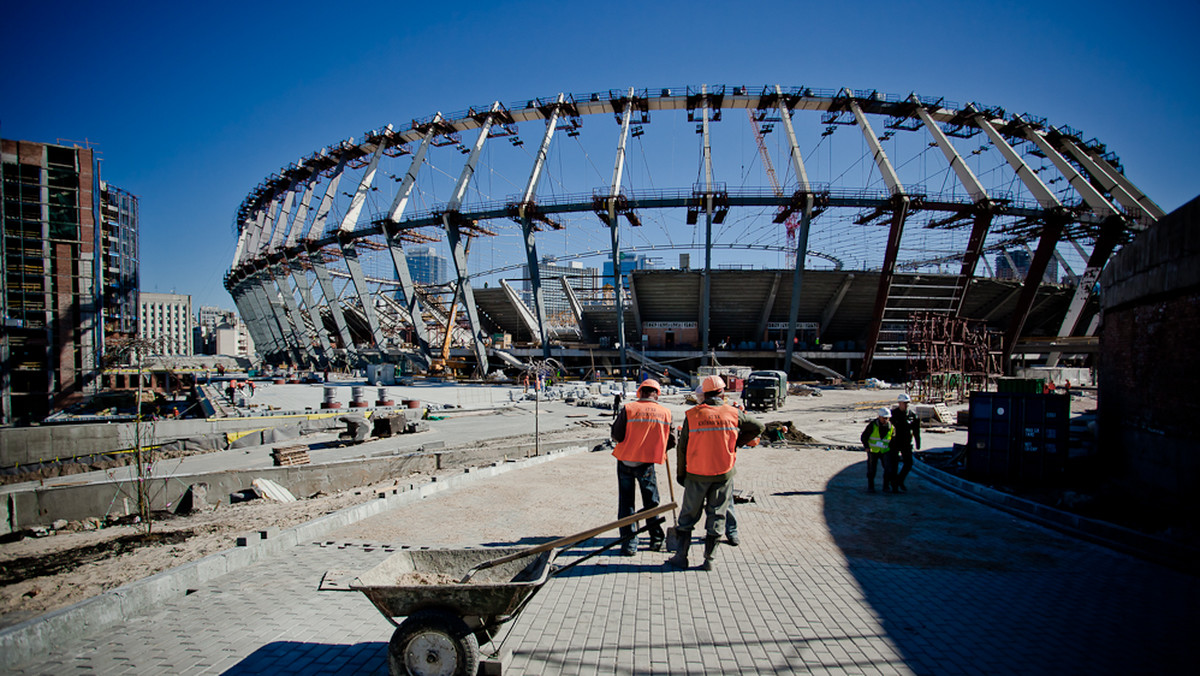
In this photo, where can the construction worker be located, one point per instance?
(643, 434)
(877, 440)
(908, 433)
(707, 451)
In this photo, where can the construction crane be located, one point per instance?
(791, 224)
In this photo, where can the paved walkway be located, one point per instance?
(828, 579)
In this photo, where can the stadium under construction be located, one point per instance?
(835, 233)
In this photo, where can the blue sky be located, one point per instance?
(192, 105)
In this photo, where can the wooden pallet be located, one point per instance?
(290, 455)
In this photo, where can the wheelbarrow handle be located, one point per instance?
(571, 539)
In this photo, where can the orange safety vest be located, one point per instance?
(647, 426)
(712, 439)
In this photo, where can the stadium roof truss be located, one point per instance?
(302, 230)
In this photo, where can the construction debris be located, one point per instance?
(290, 455)
(741, 497)
(357, 429)
(273, 491)
(195, 499)
(781, 431)
(389, 425)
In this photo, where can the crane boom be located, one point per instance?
(791, 224)
(766, 156)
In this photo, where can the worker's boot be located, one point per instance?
(657, 536)
(710, 546)
(680, 560)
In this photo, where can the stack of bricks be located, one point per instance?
(290, 455)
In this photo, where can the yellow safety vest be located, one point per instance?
(880, 444)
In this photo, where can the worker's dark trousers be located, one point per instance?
(906, 462)
(708, 498)
(889, 468)
(641, 476)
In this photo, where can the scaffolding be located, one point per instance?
(951, 356)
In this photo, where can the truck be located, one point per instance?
(765, 390)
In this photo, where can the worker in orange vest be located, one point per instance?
(707, 450)
(642, 431)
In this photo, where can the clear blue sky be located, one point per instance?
(192, 104)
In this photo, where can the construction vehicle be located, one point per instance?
(765, 390)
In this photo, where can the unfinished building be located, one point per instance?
(822, 223)
(69, 266)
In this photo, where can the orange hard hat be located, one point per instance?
(712, 384)
(651, 384)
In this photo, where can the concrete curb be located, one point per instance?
(38, 636)
(1157, 550)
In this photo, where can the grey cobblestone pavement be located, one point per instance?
(828, 579)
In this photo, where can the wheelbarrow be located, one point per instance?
(454, 599)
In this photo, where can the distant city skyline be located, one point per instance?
(190, 130)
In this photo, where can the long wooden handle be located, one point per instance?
(571, 539)
(670, 483)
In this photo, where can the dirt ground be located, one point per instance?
(42, 574)
(39, 575)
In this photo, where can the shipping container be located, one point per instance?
(1017, 439)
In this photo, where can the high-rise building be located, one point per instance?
(426, 266)
(233, 339)
(166, 320)
(629, 263)
(221, 331)
(50, 300)
(582, 279)
(1015, 265)
(209, 319)
(119, 262)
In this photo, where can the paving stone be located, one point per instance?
(789, 598)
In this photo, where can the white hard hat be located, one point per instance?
(903, 397)
(884, 413)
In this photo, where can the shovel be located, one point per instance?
(569, 540)
(672, 532)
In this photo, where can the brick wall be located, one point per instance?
(1149, 362)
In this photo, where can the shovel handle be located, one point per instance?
(670, 480)
(570, 539)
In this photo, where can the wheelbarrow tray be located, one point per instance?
(495, 592)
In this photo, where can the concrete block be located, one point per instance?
(211, 567)
(148, 592)
(270, 533)
(496, 666)
(238, 557)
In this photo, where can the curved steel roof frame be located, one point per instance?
(1107, 211)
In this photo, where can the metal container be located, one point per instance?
(1017, 439)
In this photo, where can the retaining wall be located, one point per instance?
(21, 446)
(43, 506)
(1149, 360)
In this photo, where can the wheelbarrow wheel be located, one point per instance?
(433, 643)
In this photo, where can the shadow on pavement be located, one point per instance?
(961, 586)
(312, 659)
